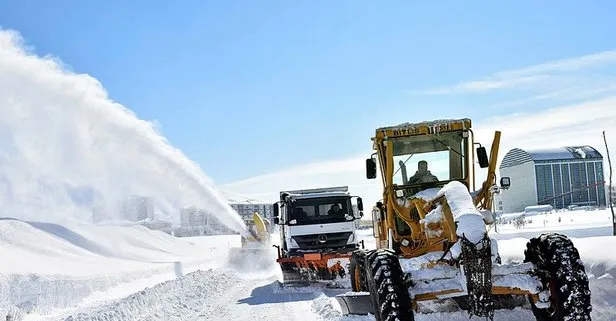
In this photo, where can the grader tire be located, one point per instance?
(385, 280)
(560, 269)
(357, 271)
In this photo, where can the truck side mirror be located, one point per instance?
(360, 204)
(482, 155)
(276, 210)
(505, 182)
(370, 168)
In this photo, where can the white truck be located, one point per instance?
(318, 233)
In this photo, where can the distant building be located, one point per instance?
(133, 209)
(559, 177)
(197, 222)
(137, 208)
(246, 210)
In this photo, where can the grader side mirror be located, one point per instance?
(370, 168)
(482, 156)
(276, 210)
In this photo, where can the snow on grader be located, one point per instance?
(432, 242)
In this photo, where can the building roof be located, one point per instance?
(519, 156)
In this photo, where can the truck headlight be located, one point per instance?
(292, 243)
(351, 239)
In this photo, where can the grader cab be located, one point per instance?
(431, 237)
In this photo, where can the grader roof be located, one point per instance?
(426, 127)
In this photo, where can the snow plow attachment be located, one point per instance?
(316, 268)
(256, 252)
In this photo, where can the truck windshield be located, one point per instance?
(320, 210)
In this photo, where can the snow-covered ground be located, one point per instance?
(86, 272)
(47, 266)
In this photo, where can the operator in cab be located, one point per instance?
(422, 175)
(335, 211)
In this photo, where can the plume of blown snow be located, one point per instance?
(66, 147)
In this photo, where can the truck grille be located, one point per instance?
(311, 242)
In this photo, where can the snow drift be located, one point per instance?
(48, 266)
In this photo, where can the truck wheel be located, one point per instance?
(561, 271)
(385, 281)
(357, 271)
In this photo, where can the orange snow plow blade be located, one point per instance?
(314, 267)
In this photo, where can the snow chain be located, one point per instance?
(477, 265)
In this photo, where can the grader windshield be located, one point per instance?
(428, 158)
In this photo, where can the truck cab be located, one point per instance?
(318, 220)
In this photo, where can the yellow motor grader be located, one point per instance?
(432, 241)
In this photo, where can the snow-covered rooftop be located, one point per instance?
(519, 156)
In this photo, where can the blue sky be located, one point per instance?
(246, 88)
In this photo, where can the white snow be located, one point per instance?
(428, 194)
(470, 221)
(66, 147)
(48, 266)
(70, 279)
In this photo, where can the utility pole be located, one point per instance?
(610, 194)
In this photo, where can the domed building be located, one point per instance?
(559, 177)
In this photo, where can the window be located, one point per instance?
(321, 210)
(601, 188)
(443, 153)
(566, 182)
(592, 182)
(576, 182)
(545, 189)
(558, 187)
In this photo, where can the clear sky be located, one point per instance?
(249, 87)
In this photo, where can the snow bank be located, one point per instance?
(47, 266)
(171, 300)
(91, 250)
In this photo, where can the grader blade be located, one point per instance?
(358, 303)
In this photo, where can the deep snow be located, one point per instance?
(86, 273)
